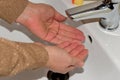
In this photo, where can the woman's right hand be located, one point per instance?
(47, 23)
(66, 57)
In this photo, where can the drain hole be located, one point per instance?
(90, 38)
(57, 76)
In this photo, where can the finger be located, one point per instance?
(77, 62)
(73, 64)
(64, 44)
(59, 17)
(77, 50)
(83, 55)
(66, 38)
(80, 64)
(71, 35)
(71, 47)
(72, 30)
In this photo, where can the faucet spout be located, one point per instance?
(106, 10)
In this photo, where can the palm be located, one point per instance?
(47, 24)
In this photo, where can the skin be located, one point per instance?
(46, 23)
(65, 57)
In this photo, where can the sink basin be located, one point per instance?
(103, 62)
(104, 59)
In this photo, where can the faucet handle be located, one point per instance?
(109, 3)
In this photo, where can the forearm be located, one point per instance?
(16, 57)
(11, 9)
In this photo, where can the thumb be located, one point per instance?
(70, 68)
(77, 62)
(81, 64)
(59, 17)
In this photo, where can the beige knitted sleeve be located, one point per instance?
(11, 9)
(16, 57)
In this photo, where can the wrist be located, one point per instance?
(23, 17)
(47, 49)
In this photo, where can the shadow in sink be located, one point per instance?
(24, 30)
(28, 75)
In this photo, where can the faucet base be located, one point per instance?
(107, 25)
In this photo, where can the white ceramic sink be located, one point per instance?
(103, 62)
(104, 59)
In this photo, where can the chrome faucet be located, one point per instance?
(106, 10)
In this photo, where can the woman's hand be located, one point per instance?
(45, 22)
(66, 59)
